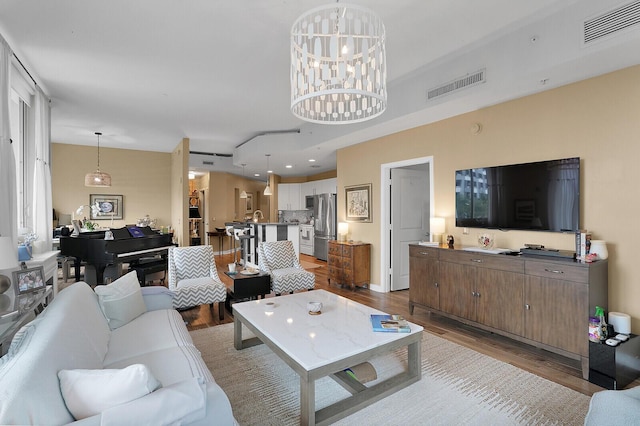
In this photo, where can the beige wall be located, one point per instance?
(596, 119)
(141, 177)
(180, 192)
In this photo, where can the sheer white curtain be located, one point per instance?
(8, 196)
(42, 204)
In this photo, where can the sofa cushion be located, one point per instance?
(182, 403)
(170, 365)
(90, 392)
(150, 332)
(121, 301)
(70, 333)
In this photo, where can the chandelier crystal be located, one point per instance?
(97, 178)
(243, 194)
(338, 65)
(267, 190)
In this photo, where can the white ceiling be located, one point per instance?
(148, 73)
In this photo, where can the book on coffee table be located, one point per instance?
(389, 323)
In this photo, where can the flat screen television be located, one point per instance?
(539, 196)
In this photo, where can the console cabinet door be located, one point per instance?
(457, 290)
(423, 278)
(554, 313)
(500, 296)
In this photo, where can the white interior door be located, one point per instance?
(409, 218)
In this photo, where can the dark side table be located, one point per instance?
(614, 367)
(247, 287)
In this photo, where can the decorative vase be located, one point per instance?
(599, 247)
(486, 241)
(24, 252)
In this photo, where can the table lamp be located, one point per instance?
(343, 231)
(8, 262)
(437, 229)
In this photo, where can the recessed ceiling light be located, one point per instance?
(312, 160)
(289, 166)
(256, 174)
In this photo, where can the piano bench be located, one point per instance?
(147, 268)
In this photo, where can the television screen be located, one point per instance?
(540, 196)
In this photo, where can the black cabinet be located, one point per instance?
(614, 367)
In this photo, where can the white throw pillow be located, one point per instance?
(121, 301)
(90, 392)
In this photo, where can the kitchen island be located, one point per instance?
(266, 231)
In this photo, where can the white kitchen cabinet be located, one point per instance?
(322, 186)
(289, 196)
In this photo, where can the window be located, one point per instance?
(23, 144)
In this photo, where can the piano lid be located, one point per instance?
(118, 233)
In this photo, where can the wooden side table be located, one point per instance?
(247, 287)
(349, 263)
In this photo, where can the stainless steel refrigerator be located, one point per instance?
(324, 214)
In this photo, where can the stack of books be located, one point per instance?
(583, 244)
(390, 323)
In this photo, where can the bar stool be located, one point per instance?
(240, 232)
(230, 232)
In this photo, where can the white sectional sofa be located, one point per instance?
(74, 334)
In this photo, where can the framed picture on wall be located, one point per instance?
(249, 201)
(358, 203)
(109, 206)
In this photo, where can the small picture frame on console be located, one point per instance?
(30, 279)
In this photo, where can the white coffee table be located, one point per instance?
(315, 346)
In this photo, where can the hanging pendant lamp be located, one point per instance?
(243, 194)
(338, 65)
(267, 190)
(97, 178)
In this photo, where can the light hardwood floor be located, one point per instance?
(537, 361)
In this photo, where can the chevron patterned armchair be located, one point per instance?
(194, 279)
(279, 259)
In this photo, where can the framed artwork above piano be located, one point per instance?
(110, 206)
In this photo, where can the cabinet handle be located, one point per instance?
(554, 271)
(477, 260)
(477, 294)
(424, 253)
(436, 285)
(473, 293)
(527, 306)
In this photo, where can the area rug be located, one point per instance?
(459, 386)
(309, 265)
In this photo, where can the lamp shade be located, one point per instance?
(343, 231)
(338, 65)
(437, 228)
(194, 213)
(8, 253)
(97, 178)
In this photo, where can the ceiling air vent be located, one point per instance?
(612, 22)
(458, 84)
(207, 163)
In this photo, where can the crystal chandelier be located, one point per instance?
(338, 65)
(97, 178)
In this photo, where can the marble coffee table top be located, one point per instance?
(342, 329)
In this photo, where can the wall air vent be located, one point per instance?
(458, 84)
(612, 22)
(208, 163)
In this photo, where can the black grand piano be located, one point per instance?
(129, 245)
